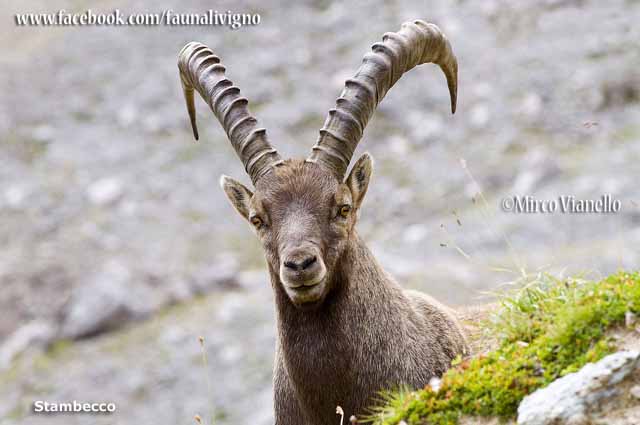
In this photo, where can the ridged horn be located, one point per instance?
(416, 43)
(201, 70)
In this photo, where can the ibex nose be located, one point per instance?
(301, 264)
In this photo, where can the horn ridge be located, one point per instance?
(414, 44)
(202, 71)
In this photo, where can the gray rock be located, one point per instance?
(36, 334)
(479, 116)
(104, 121)
(15, 196)
(570, 399)
(43, 134)
(415, 233)
(105, 191)
(531, 106)
(104, 303)
(215, 277)
(128, 115)
(435, 383)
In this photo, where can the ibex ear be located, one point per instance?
(358, 180)
(238, 195)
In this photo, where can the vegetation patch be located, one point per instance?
(546, 329)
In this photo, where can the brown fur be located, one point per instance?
(358, 332)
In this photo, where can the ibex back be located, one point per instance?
(346, 329)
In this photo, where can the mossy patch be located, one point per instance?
(547, 329)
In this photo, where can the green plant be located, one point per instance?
(546, 329)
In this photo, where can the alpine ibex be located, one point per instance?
(346, 329)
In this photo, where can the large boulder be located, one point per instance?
(106, 301)
(588, 396)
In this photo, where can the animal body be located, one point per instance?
(346, 329)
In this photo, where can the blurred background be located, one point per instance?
(118, 249)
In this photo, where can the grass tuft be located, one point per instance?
(547, 329)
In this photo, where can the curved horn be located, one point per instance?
(416, 43)
(200, 69)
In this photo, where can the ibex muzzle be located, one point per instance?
(337, 310)
(302, 267)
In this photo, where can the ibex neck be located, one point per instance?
(325, 350)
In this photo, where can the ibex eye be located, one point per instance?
(345, 210)
(256, 221)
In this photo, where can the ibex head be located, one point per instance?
(304, 211)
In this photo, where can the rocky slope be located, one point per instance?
(110, 214)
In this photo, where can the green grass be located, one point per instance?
(546, 329)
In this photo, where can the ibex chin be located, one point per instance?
(346, 329)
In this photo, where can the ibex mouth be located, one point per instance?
(306, 295)
(305, 284)
(305, 292)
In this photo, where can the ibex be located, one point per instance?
(346, 329)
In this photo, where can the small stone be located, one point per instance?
(127, 115)
(531, 106)
(435, 383)
(105, 191)
(43, 134)
(15, 197)
(635, 391)
(630, 319)
(480, 115)
(526, 181)
(415, 233)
